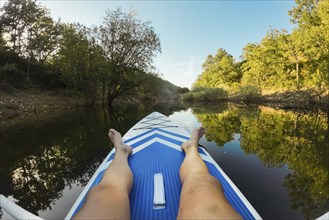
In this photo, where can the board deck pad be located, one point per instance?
(156, 142)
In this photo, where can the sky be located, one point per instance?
(189, 30)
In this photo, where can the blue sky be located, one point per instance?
(189, 30)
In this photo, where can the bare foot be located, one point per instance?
(194, 140)
(118, 143)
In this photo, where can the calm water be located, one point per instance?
(278, 159)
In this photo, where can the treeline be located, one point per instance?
(281, 61)
(98, 63)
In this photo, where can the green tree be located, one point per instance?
(30, 29)
(280, 60)
(253, 65)
(295, 53)
(43, 39)
(218, 71)
(156, 90)
(81, 61)
(130, 46)
(324, 45)
(318, 48)
(17, 19)
(312, 38)
(305, 13)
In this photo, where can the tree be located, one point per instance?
(305, 13)
(318, 47)
(281, 60)
(295, 52)
(270, 63)
(17, 18)
(29, 29)
(311, 36)
(324, 39)
(253, 66)
(81, 61)
(156, 90)
(218, 71)
(130, 46)
(43, 38)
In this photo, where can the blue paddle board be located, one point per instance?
(155, 164)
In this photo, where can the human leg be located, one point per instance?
(202, 196)
(110, 198)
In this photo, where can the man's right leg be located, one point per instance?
(110, 198)
(202, 196)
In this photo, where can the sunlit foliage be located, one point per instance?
(281, 60)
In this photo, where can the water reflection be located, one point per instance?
(40, 161)
(49, 157)
(296, 140)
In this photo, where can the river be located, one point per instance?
(278, 159)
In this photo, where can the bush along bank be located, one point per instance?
(205, 94)
(246, 94)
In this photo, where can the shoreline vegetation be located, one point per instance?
(24, 104)
(300, 100)
(48, 65)
(286, 70)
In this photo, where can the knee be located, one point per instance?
(114, 184)
(96, 191)
(205, 178)
(213, 181)
(102, 189)
(202, 181)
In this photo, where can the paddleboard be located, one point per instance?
(155, 164)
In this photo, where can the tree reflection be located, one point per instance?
(280, 138)
(223, 121)
(41, 178)
(42, 159)
(58, 152)
(297, 140)
(52, 155)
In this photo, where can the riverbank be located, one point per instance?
(294, 99)
(304, 99)
(29, 105)
(24, 104)
(19, 105)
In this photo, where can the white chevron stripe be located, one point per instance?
(144, 145)
(168, 144)
(140, 138)
(156, 132)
